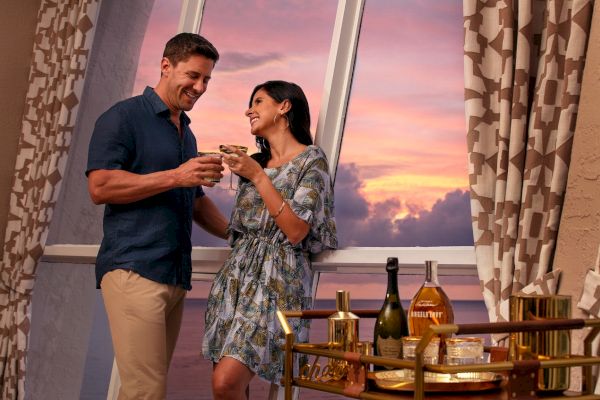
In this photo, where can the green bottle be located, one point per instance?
(391, 324)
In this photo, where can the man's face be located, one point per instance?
(186, 81)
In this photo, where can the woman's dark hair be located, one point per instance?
(298, 115)
(184, 45)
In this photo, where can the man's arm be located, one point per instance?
(117, 186)
(208, 216)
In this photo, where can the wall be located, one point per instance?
(579, 232)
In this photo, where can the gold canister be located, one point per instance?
(343, 325)
(542, 345)
(342, 329)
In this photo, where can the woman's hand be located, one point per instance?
(290, 224)
(242, 164)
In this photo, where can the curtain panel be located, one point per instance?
(524, 64)
(62, 43)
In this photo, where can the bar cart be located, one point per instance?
(348, 373)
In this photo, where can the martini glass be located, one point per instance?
(225, 150)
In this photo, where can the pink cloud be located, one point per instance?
(270, 25)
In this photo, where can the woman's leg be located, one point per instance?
(230, 380)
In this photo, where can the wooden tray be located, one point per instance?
(403, 380)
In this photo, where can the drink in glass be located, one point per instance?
(223, 149)
(214, 154)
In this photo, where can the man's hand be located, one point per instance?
(204, 170)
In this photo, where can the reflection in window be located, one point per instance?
(402, 178)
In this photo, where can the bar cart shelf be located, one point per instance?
(347, 373)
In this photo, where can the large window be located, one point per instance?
(402, 177)
(402, 172)
(257, 42)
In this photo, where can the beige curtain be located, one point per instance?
(63, 39)
(524, 63)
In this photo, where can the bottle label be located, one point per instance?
(426, 314)
(389, 347)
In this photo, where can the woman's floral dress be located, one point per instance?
(265, 272)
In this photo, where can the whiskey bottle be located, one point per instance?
(391, 324)
(430, 305)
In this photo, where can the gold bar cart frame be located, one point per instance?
(358, 388)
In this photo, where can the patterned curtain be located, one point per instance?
(523, 69)
(61, 48)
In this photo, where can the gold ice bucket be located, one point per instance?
(542, 345)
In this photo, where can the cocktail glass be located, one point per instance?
(214, 154)
(225, 150)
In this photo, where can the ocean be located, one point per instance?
(189, 376)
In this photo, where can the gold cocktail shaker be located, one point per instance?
(542, 345)
(343, 325)
(342, 329)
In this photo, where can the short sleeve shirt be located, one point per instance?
(150, 236)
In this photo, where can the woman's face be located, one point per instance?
(262, 113)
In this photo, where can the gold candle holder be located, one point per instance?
(542, 345)
(342, 328)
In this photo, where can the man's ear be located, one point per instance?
(165, 67)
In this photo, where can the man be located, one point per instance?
(143, 165)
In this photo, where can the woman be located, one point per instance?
(283, 213)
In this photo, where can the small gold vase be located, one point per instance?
(542, 345)
(343, 325)
(342, 328)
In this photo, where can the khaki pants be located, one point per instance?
(144, 317)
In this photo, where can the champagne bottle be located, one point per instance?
(391, 324)
(430, 305)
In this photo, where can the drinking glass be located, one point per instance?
(214, 154)
(224, 150)
(464, 351)
(431, 354)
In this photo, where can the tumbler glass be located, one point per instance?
(214, 154)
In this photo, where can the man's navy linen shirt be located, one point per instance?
(150, 236)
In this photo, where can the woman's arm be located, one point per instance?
(294, 227)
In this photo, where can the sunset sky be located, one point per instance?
(402, 177)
